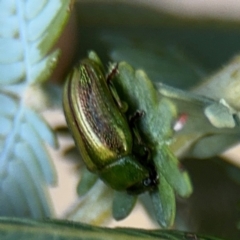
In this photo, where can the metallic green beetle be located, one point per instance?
(101, 131)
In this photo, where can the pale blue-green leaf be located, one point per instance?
(41, 46)
(11, 73)
(5, 126)
(22, 175)
(32, 9)
(43, 19)
(2, 140)
(41, 127)
(30, 135)
(8, 27)
(35, 51)
(18, 172)
(29, 31)
(24, 62)
(8, 198)
(5, 204)
(99, 200)
(37, 202)
(27, 156)
(14, 91)
(15, 51)
(30, 166)
(8, 105)
(43, 69)
(11, 186)
(7, 7)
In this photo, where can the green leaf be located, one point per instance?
(155, 129)
(208, 123)
(172, 170)
(27, 35)
(95, 207)
(23, 58)
(164, 203)
(13, 228)
(223, 84)
(123, 203)
(219, 115)
(138, 91)
(24, 161)
(87, 181)
(156, 125)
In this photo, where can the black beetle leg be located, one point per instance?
(132, 122)
(136, 116)
(145, 154)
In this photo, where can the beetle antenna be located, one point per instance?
(113, 71)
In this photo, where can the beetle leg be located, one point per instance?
(110, 76)
(132, 122)
(136, 116)
(113, 71)
(123, 106)
(145, 155)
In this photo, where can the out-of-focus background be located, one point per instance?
(197, 8)
(65, 193)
